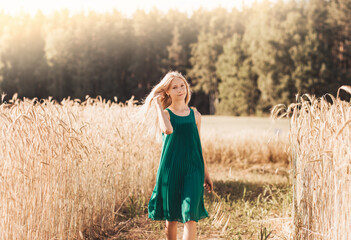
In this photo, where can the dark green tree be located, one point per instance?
(339, 20)
(205, 53)
(314, 72)
(238, 90)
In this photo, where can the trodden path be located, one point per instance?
(250, 207)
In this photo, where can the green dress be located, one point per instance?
(178, 192)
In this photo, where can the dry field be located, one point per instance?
(320, 142)
(85, 170)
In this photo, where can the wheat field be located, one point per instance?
(68, 167)
(320, 140)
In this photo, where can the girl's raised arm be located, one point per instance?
(165, 123)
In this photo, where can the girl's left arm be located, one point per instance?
(208, 184)
(198, 124)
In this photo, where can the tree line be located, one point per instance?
(237, 62)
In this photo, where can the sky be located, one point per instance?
(127, 7)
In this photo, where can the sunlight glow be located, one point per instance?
(126, 7)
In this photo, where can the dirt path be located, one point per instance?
(247, 198)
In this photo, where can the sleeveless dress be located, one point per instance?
(178, 192)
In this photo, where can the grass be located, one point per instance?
(250, 208)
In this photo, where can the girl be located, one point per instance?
(182, 173)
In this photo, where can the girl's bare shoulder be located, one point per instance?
(195, 110)
(167, 113)
(197, 114)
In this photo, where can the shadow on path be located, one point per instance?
(235, 190)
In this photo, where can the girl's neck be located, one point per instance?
(178, 106)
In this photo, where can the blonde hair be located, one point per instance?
(161, 88)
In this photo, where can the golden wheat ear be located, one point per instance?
(220, 217)
(216, 195)
(346, 88)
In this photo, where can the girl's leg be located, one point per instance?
(189, 230)
(171, 230)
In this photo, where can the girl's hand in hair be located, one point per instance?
(157, 98)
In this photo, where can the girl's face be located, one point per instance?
(177, 89)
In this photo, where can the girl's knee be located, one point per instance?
(191, 222)
(171, 222)
(170, 225)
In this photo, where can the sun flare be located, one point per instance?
(126, 7)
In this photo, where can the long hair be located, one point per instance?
(161, 88)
